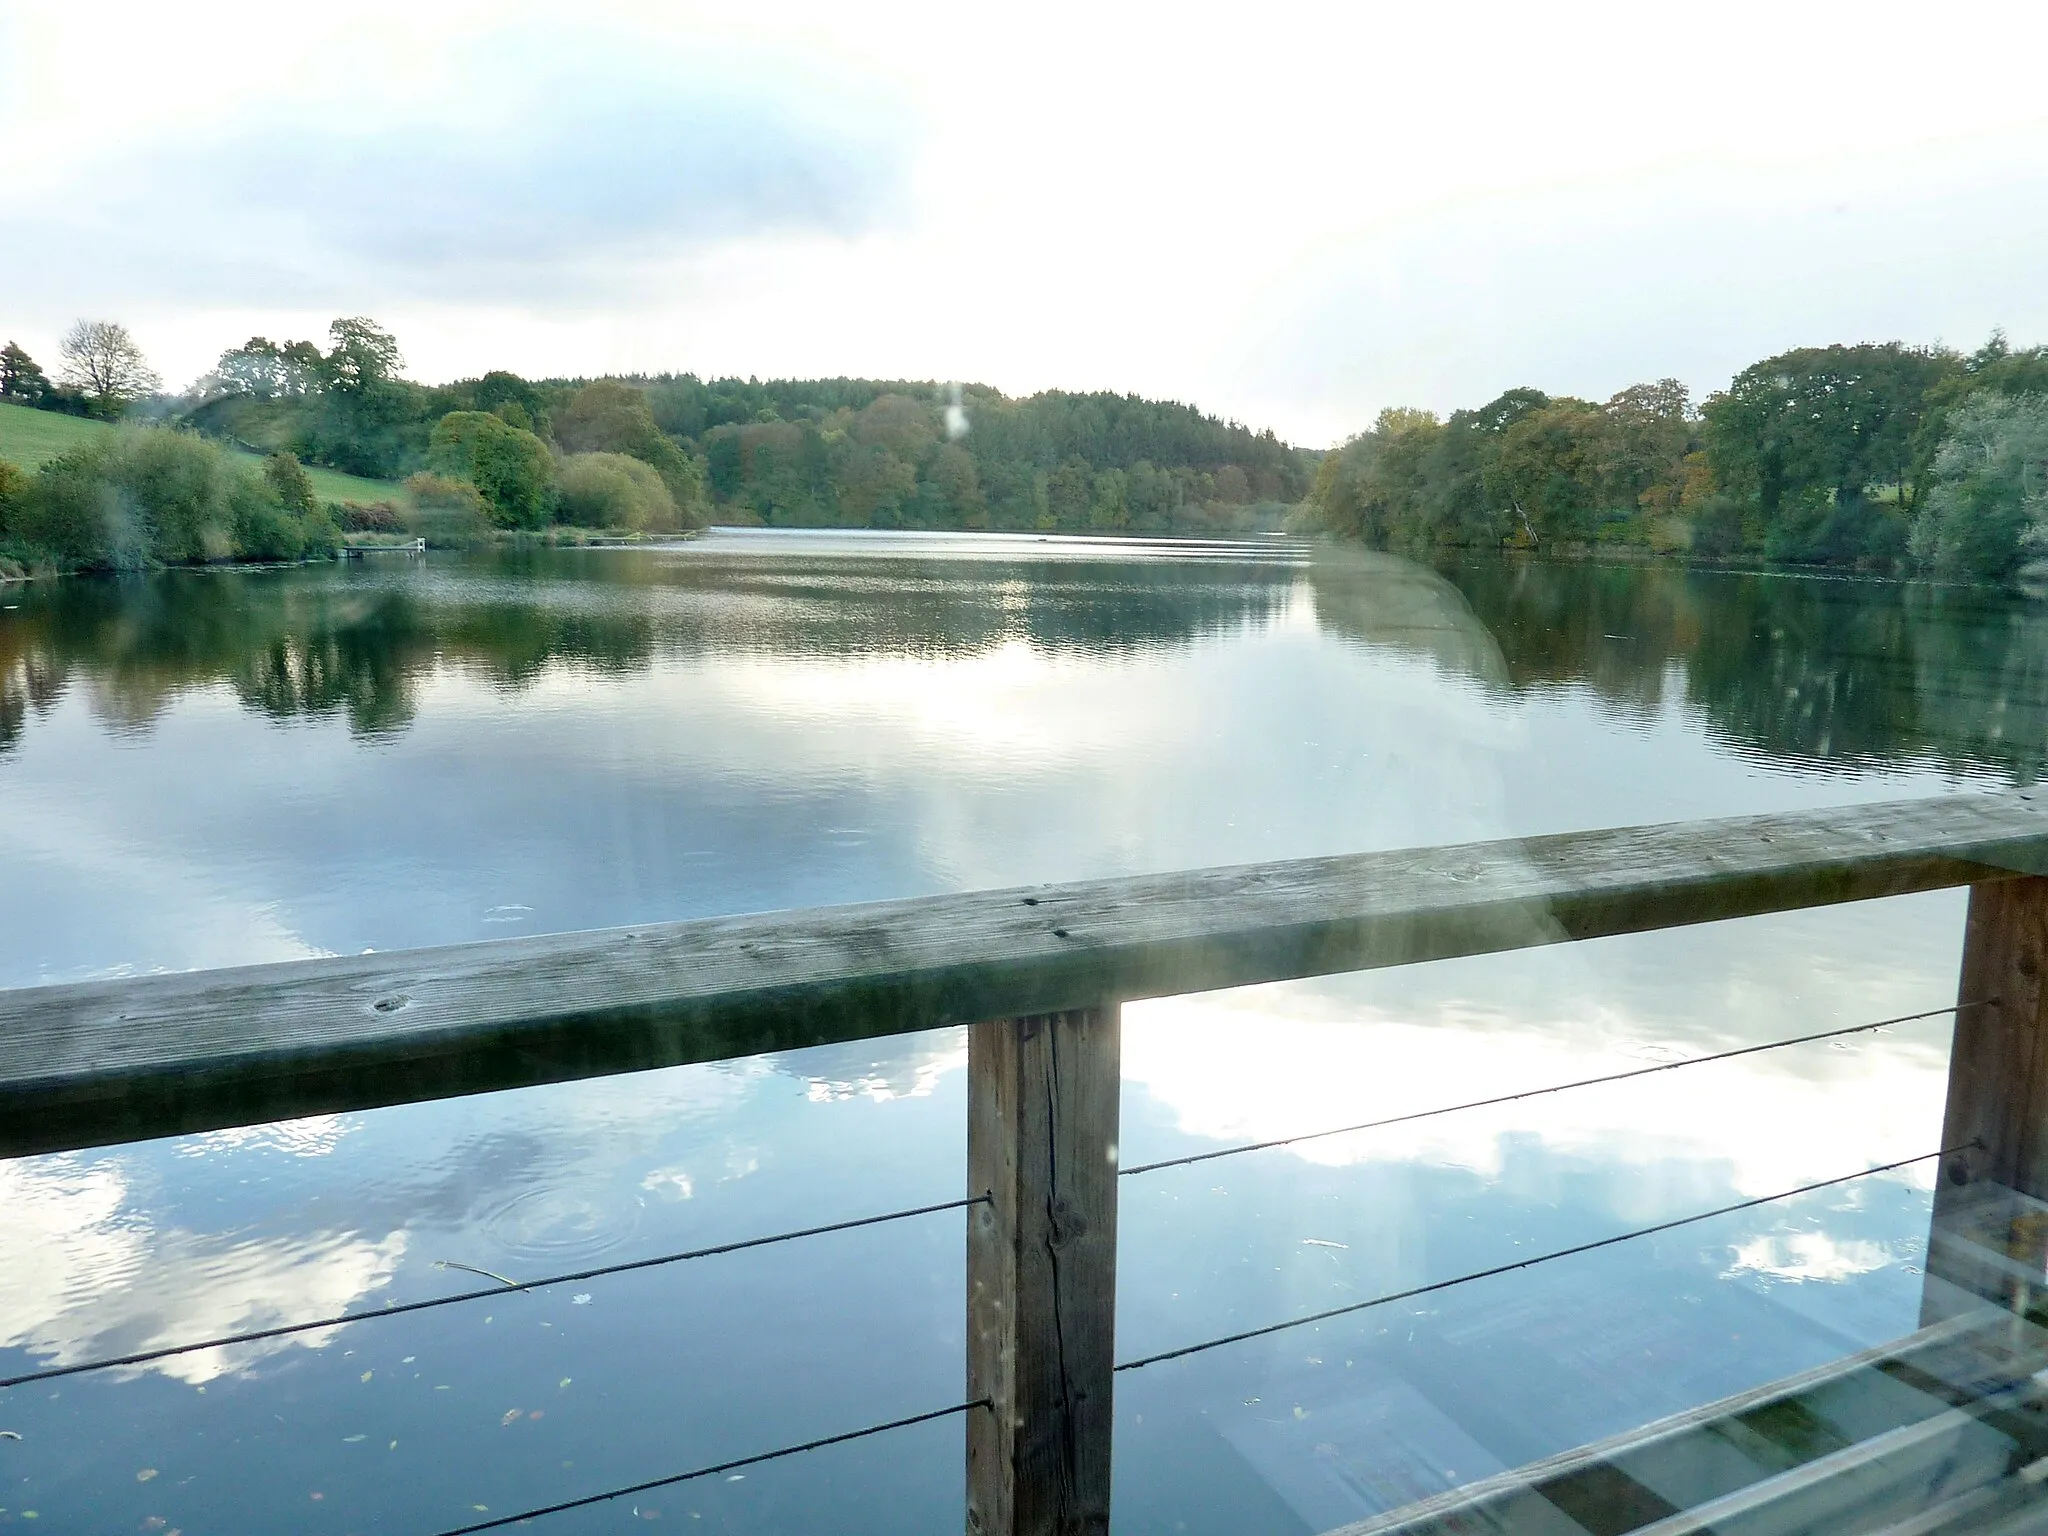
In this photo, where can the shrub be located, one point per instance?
(610, 417)
(150, 494)
(186, 493)
(263, 528)
(511, 469)
(1717, 526)
(288, 478)
(375, 517)
(73, 515)
(613, 490)
(14, 483)
(449, 513)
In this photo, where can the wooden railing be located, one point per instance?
(1039, 973)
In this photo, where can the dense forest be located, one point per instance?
(658, 455)
(1878, 457)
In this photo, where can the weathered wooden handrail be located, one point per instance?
(101, 1061)
(1040, 973)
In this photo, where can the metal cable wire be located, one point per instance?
(724, 1466)
(1541, 1258)
(1531, 1093)
(143, 1357)
(285, 1330)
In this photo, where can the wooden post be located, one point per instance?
(1998, 1099)
(1042, 1103)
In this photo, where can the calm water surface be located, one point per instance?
(211, 769)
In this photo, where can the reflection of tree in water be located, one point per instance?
(357, 641)
(28, 679)
(1820, 672)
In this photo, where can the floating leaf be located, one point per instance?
(353, 1439)
(510, 1416)
(564, 1382)
(368, 1374)
(145, 1474)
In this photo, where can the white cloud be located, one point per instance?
(1295, 215)
(536, 169)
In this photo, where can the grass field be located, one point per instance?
(30, 437)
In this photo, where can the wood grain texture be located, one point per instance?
(1997, 1097)
(121, 1060)
(1998, 1068)
(1042, 1104)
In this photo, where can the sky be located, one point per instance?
(1293, 215)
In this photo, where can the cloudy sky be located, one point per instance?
(1291, 214)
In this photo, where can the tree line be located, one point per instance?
(1881, 457)
(673, 452)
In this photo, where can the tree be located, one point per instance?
(873, 484)
(1070, 492)
(102, 360)
(610, 417)
(1651, 433)
(1801, 440)
(1548, 469)
(512, 470)
(264, 369)
(293, 486)
(1986, 512)
(361, 355)
(255, 368)
(21, 380)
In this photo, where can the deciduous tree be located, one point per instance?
(1986, 512)
(102, 360)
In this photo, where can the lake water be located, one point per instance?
(203, 769)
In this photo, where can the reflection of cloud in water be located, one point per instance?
(85, 1276)
(1799, 1256)
(881, 1070)
(98, 1261)
(1766, 1122)
(313, 1136)
(1268, 1062)
(670, 1183)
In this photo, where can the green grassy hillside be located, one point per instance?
(30, 438)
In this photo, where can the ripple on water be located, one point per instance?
(557, 1224)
